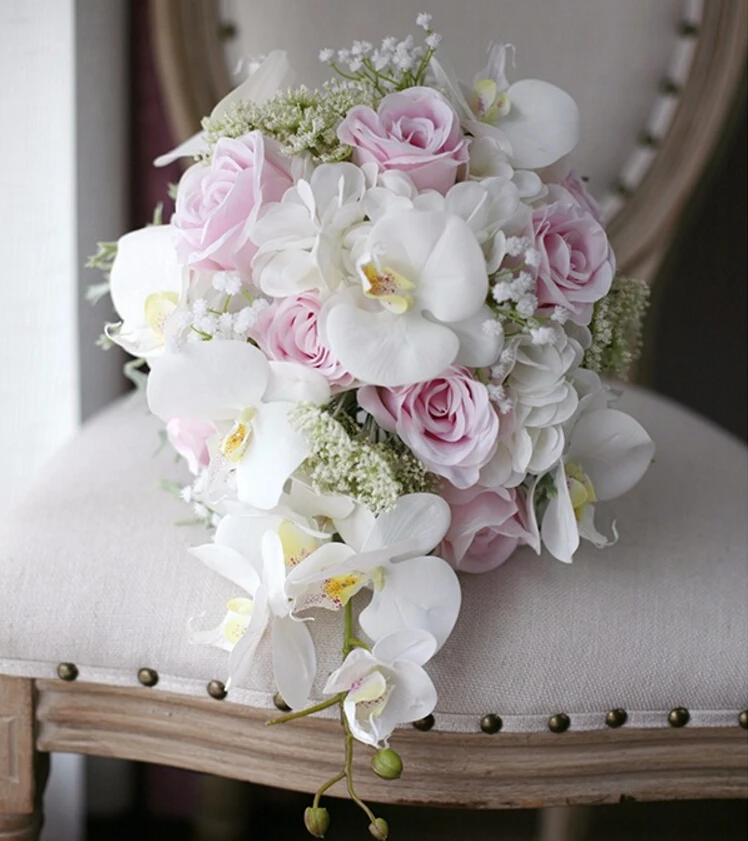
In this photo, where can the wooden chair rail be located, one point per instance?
(475, 771)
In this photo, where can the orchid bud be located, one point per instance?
(379, 829)
(317, 821)
(387, 764)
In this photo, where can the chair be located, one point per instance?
(621, 676)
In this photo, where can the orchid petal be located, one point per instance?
(189, 148)
(355, 666)
(478, 348)
(542, 125)
(386, 349)
(294, 660)
(613, 449)
(276, 450)
(146, 263)
(413, 644)
(244, 534)
(208, 380)
(243, 653)
(418, 522)
(558, 528)
(294, 383)
(420, 593)
(230, 564)
(413, 697)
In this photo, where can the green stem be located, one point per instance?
(323, 705)
(201, 333)
(323, 788)
(356, 643)
(347, 628)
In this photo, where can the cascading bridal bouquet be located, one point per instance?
(375, 327)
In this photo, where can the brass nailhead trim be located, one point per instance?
(424, 724)
(743, 719)
(559, 723)
(148, 677)
(491, 723)
(216, 690)
(679, 717)
(67, 671)
(669, 87)
(280, 703)
(687, 29)
(649, 140)
(623, 190)
(616, 718)
(227, 31)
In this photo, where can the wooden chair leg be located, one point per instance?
(23, 771)
(563, 823)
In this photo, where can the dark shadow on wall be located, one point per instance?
(698, 352)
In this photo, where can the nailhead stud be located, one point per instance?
(616, 718)
(559, 723)
(424, 724)
(67, 671)
(491, 723)
(216, 690)
(280, 703)
(743, 719)
(148, 677)
(679, 717)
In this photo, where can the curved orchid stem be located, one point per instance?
(323, 788)
(323, 705)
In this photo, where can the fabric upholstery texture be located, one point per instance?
(94, 571)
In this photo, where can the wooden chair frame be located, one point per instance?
(475, 771)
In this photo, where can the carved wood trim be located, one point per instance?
(194, 77)
(17, 788)
(476, 771)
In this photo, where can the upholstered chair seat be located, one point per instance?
(94, 573)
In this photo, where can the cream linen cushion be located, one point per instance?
(94, 571)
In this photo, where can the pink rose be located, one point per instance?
(415, 131)
(189, 437)
(576, 261)
(218, 203)
(575, 185)
(448, 422)
(287, 331)
(487, 525)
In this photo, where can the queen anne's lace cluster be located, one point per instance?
(374, 329)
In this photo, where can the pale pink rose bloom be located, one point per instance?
(415, 131)
(487, 525)
(217, 204)
(287, 331)
(576, 261)
(449, 422)
(189, 437)
(576, 186)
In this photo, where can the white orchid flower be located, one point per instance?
(422, 279)
(232, 385)
(145, 283)
(387, 686)
(411, 588)
(534, 122)
(608, 454)
(255, 554)
(301, 238)
(265, 79)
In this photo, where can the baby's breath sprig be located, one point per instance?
(344, 460)
(616, 328)
(301, 119)
(393, 66)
